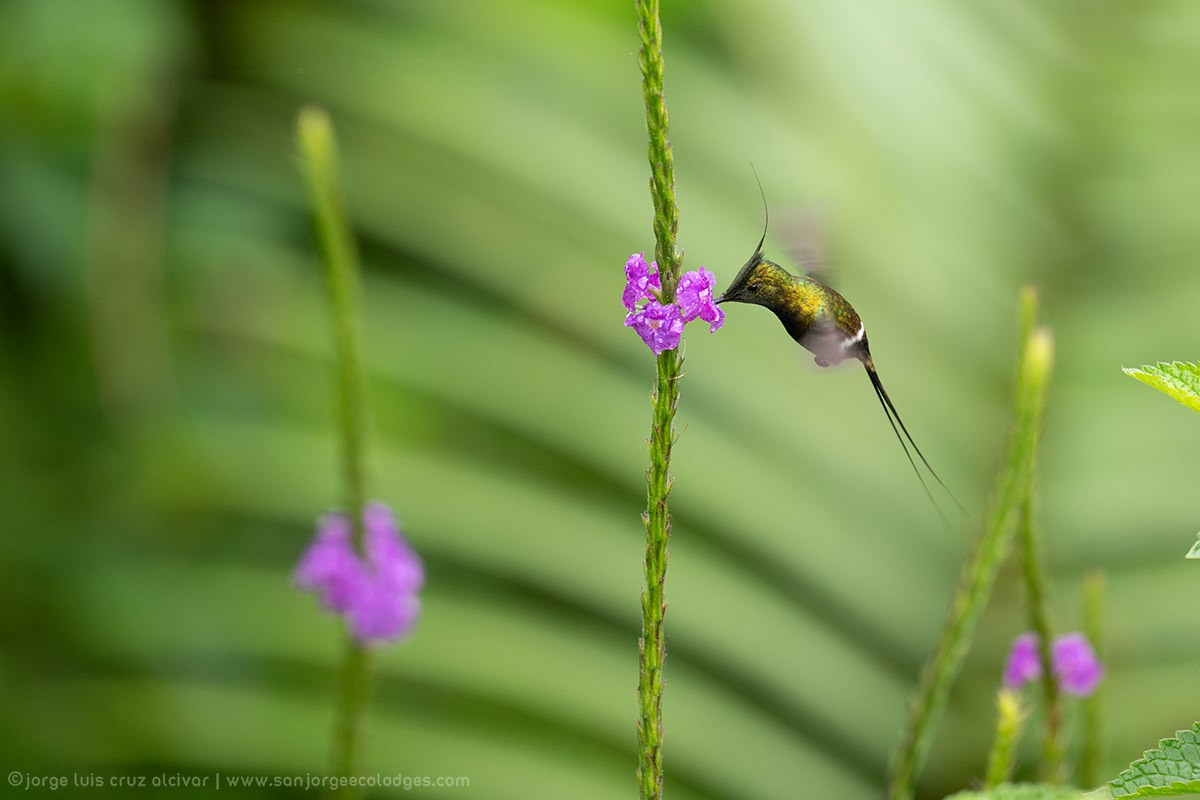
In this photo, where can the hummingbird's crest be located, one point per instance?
(804, 230)
(738, 285)
(766, 211)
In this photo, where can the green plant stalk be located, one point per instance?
(1034, 571)
(1039, 620)
(319, 167)
(1093, 732)
(652, 646)
(979, 573)
(1009, 718)
(662, 163)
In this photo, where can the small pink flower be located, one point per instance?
(1076, 667)
(1079, 671)
(1024, 664)
(378, 594)
(659, 326)
(641, 281)
(695, 298)
(329, 566)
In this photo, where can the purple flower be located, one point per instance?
(695, 297)
(641, 281)
(1024, 663)
(659, 326)
(1075, 664)
(378, 594)
(329, 566)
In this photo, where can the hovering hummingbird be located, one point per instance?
(824, 323)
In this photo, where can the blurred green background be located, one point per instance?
(166, 399)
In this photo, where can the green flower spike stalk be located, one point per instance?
(1093, 732)
(1039, 621)
(318, 163)
(652, 647)
(1034, 571)
(979, 573)
(1009, 718)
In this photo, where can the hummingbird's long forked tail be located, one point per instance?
(893, 416)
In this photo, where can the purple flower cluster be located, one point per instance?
(660, 325)
(1076, 667)
(376, 595)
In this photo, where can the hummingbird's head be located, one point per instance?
(760, 281)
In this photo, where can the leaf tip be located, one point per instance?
(1194, 553)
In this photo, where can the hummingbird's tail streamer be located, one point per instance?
(894, 419)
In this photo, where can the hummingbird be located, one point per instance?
(824, 323)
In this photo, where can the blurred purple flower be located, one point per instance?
(695, 297)
(378, 594)
(1024, 664)
(641, 281)
(1075, 664)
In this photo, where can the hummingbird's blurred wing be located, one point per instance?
(825, 341)
(804, 234)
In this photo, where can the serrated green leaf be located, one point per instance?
(1179, 379)
(1170, 770)
(1022, 791)
(1189, 789)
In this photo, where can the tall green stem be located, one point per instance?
(652, 648)
(1034, 570)
(1093, 731)
(979, 573)
(662, 163)
(1039, 620)
(1009, 718)
(319, 165)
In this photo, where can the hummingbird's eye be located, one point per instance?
(752, 288)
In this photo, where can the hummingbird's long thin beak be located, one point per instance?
(719, 299)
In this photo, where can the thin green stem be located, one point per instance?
(652, 647)
(1009, 718)
(319, 166)
(1039, 619)
(662, 163)
(979, 573)
(354, 695)
(1034, 571)
(1091, 759)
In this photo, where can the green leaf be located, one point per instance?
(1188, 789)
(1195, 551)
(1022, 791)
(1179, 379)
(1170, 770)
